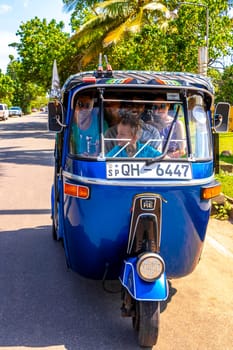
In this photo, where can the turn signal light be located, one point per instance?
(211, 192)
(76, 191)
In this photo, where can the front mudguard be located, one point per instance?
(139, 289)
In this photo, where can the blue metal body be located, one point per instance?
(95, 231)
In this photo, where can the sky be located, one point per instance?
(15, 12)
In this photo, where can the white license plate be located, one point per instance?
(134, 170)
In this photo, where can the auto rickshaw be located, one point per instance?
(121, 212)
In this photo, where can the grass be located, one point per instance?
(228, 160)
(226, 142)
(226, 179)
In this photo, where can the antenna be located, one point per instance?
(109, 67)
(100, 67)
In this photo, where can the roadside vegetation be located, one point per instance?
(226, 180)
(223, 210)
(226, 176)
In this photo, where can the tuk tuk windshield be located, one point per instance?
(140, 126)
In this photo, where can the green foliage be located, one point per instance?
(225, 142)
(78, 5)
(6, 89)
(80, 11)
(41, 43)
(223, 210)
(174, 49)
(225, 86)
(31, 74)
(24, 90)
(187, 32)
(224, 177)
(226, 180)
(39, 101)
(226, 159)
(137, 51)
(111, 21)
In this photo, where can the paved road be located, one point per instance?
(46, 306)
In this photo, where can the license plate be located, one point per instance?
(135, 170)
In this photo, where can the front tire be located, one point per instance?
(147, 322)
(54, 230)
(55, 204)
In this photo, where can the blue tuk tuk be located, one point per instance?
(133, 181)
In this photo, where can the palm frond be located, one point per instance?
(115, 35)
(92, 51)
(114, 7)
(93, 22)
(113, 19)
(155, 6)
(70, 5)
(135, 23)
(164, 25)
(89, 31)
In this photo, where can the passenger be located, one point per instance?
(112, 112)
(85, 128)
(137, 109)
(128, 145)
(149, 132)
(163, 121)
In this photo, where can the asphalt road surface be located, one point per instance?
(43, 305)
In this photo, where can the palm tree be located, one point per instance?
(112, 20)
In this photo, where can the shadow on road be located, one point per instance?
(37, 129)
(11, 151)
(24, 211)
(172, 292)
(34, 157)
(43, 303)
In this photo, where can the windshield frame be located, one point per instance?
(103, 96)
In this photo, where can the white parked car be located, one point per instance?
(4, 113)
(15, 110)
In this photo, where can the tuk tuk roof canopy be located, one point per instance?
(145, 78)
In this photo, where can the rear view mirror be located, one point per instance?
(221, 117)
(55, 114)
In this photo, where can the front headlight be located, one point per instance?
(150, 266)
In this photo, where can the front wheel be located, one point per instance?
(146, 322)
(54, 228)
(55, 205)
